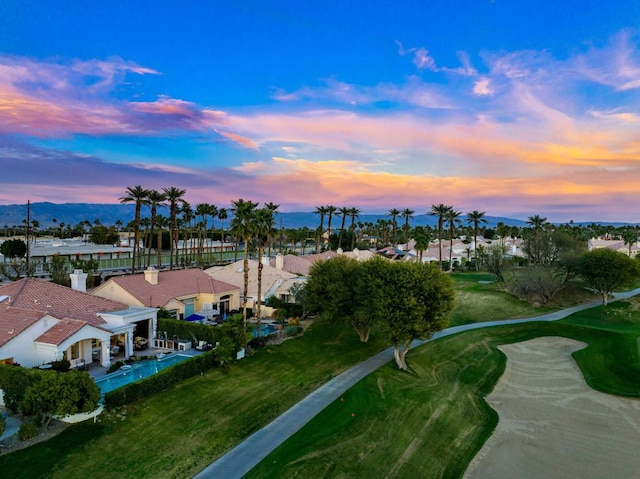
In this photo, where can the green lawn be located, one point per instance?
(179, 432)
(431, 422)
(480, 298)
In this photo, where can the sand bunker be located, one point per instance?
(552, 424)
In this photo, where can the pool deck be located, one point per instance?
(97, 371)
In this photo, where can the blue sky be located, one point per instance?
(513, 108)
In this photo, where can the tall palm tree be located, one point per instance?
(272, 208)
(407, 214)
(262, 225)
(173, 196)
(155, 199)
(344, 212)
(242, 224)
(453, 222)
(441, 212)
(393, 212)
(475, 218)
(322, 211)
(354, 213)
(222, 215)
(202, 212)
(137, 195)
(537, 222)
(161, 222)
(187, 221)
(213, 212)
(331, 210)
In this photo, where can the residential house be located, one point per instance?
(620, 246)
(275, 280)
(41, 322)
(182, 292)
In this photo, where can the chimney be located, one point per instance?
(79, 280)
(279, 261)
(151, 275)
(265, 260)
(339, 251)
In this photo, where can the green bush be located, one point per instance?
(27, 431)
(187, 330)
(63, 365)
(2, 424)
(293, 330)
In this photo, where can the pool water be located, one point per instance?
(265, 329)
(139, 370)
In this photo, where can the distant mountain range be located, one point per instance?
(108, 214)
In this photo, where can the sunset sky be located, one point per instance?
(510, 107)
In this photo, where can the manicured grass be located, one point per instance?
(431, 422)
(178, 433)
(479, 298)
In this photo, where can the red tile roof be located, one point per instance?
(58, 301)
(171, 284)
(14, 321)
(61, 331)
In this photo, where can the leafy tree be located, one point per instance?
(60, 394)
(58, 270)
(14, 382)
(330, 292)
(606, 270)
(493, 260)
(13, 248)
(409, 300)
(104, 235)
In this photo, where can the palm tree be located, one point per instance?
(187, 221)
(222, 215)
(537, 222)
(55, 224)
(354, 213)
(441, 212)
(331, 210)
(422, 239)
(272, 208)
(322, 211)
(242, 224)
(407, 214)
(213, 212)
(453, 222)
(393, 212)
(262, 225)
(344, 212)
(155, 199)
(161, 222)
(137, 195)
(173, 196)
(202, 211)
(475, 218)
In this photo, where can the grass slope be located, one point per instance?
(431, 422)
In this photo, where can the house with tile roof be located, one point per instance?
(632, 250)
(182, 292)
(275, 281)
(41, 322)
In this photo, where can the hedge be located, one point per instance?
(161, 381)
(187, 330)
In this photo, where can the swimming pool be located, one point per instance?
(265, 329)
(137, 371)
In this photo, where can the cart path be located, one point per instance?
(238, 461)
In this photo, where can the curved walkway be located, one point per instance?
(236, 462)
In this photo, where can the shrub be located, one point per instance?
(293, 330)
(63, 365)
(2, 424)
(27, 431)
(257, 343)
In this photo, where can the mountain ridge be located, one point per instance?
(108, 214)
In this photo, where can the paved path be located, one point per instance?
(246, 455)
